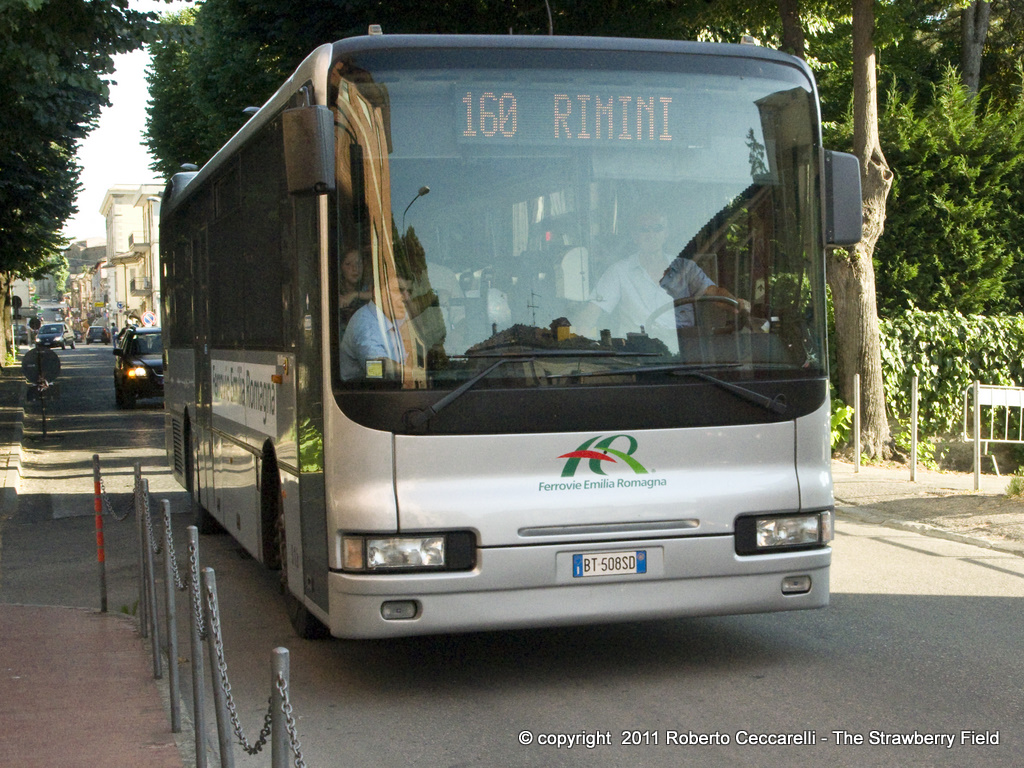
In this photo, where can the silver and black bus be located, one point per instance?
(469, 333)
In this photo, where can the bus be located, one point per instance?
(469, 333)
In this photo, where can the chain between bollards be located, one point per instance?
(170, 568)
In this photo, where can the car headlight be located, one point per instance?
(452, 551)
(759, 534)
(138, 372)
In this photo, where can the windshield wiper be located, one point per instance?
(415, 419)
(775, 404)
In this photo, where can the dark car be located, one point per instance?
(55, 335)
(97, 333)
(138, 366)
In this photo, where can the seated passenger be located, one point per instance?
(354, 290)
(371, 335)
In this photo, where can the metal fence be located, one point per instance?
(992, 414)
(278, 729)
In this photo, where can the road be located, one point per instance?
(922, 643)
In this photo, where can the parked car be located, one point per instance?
(55, 335)
(97, 333)
(138, 366)
(20, 333)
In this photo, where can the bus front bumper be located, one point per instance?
(518, 587)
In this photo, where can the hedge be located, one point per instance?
(948, 351)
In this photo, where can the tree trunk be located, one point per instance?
(973, 31)
(851, 273)
(792, 28)
(7, 345)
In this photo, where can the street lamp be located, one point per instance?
(423, 191)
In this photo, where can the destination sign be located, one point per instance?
(534, 116)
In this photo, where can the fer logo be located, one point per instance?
(602, 451)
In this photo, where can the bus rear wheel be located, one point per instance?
(201, 518)
(271, 510)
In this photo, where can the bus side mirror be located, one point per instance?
(309, 150)
(843, 204)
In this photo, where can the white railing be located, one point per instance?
(996, 415)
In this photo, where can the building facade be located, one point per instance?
(130, 277)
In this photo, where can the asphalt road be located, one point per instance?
(922, 644)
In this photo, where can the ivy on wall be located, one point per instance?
(948, 351)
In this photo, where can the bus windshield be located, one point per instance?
(590, 221)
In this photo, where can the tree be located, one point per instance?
(176, 133)
(954, 233)
(973, 30)
(851, 274)
(55, 60)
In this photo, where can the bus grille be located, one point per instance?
(178, 443)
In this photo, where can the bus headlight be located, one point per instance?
(758, 534)
(374, 553)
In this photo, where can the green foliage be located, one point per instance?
(1015, 488)
(948, 351)
(952, 230)
(55, 61)
(841, 421)
(925, 448)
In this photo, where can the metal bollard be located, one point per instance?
(280, 741)
(143, 606)
(913, 428)
(195, 612)
(151, 601)
(976, 426)
(101, 556)
(224, 730)
(856, 422)
(172, 620)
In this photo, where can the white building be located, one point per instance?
(132, 268)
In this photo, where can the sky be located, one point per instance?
(113, 153)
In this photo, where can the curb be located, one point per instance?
(871, 515)
(11, 441)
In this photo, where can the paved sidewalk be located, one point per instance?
(937, 503)
(77, 690)
(76, 686)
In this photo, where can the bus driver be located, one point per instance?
(646, 280)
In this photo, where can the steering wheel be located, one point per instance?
(734, 303)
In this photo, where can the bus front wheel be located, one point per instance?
(306, 625)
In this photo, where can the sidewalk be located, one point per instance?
(937, 503)
(76, 686)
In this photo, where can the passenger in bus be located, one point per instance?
(354, 290)
(375, 334)
(633, 289)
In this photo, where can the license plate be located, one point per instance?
(609, 563)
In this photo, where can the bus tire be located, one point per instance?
(271, 509)
(201, 518)
(306, 625)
